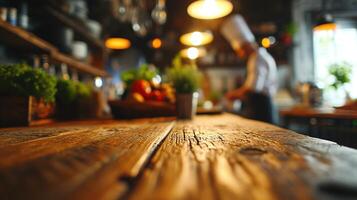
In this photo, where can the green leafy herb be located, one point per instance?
(144, 72)
(342, 74)
(70, 91)
(22, 80)
(83, 91)
(66, 92)
(185, 78)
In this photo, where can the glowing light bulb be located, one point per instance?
(156, 43)
(267, 42)
(117, 43)
(209, 9)
(98, 82)
(192, 53)
(196, 38)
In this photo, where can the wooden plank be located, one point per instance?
(83, 67)
(328, 113)
(227, 157)
(11, 136)
(141, 147)
(212, 157)
(88, 162)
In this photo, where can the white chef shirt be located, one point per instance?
(262, 73)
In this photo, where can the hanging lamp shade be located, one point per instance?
(117, 43)
(325, 23)
(196, 38)
(193, 53)
(209, 9)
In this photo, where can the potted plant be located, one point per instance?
(185, 78)
(27, 94)
(87, 101)
(73, 100)
(65, 98)
(341, 72)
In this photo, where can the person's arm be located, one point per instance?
(237, 93)
(249, 83)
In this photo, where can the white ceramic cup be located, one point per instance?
(79, 50)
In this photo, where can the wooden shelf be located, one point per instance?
(25, 41)
(62, 58)
(22, 40)
(77, 26)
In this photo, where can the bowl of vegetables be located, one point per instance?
(144, 96)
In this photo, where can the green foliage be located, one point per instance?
(215, 96)
(66, 92)
(8, 76)
(341, 72)
(83, 91)
(144, 72)
(185, 78)
(22, 80)
(70, 91)
(291, 29)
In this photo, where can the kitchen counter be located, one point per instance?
(212, 157)
(336, 125)
(326, 113)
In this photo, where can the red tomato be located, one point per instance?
(286, 39)
(157, 95)
(142, 87)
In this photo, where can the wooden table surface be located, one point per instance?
(329, 113)
(212, 157)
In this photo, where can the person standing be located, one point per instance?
(260, 85)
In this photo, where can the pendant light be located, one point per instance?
(196, 38)
(193, 53)
(325, 21)
(209, 9)
(117, 43)
(155, 43)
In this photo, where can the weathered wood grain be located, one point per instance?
(212, 157)
(12, 136)
(227, 157)
(77, 162)
(9, 136)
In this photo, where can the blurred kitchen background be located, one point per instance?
(95, 41)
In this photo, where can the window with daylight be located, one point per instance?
(331, 47)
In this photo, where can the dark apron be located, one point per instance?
(259, 106)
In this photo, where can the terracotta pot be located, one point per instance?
(186, 105)
(23, 111)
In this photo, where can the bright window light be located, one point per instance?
(332, 47)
